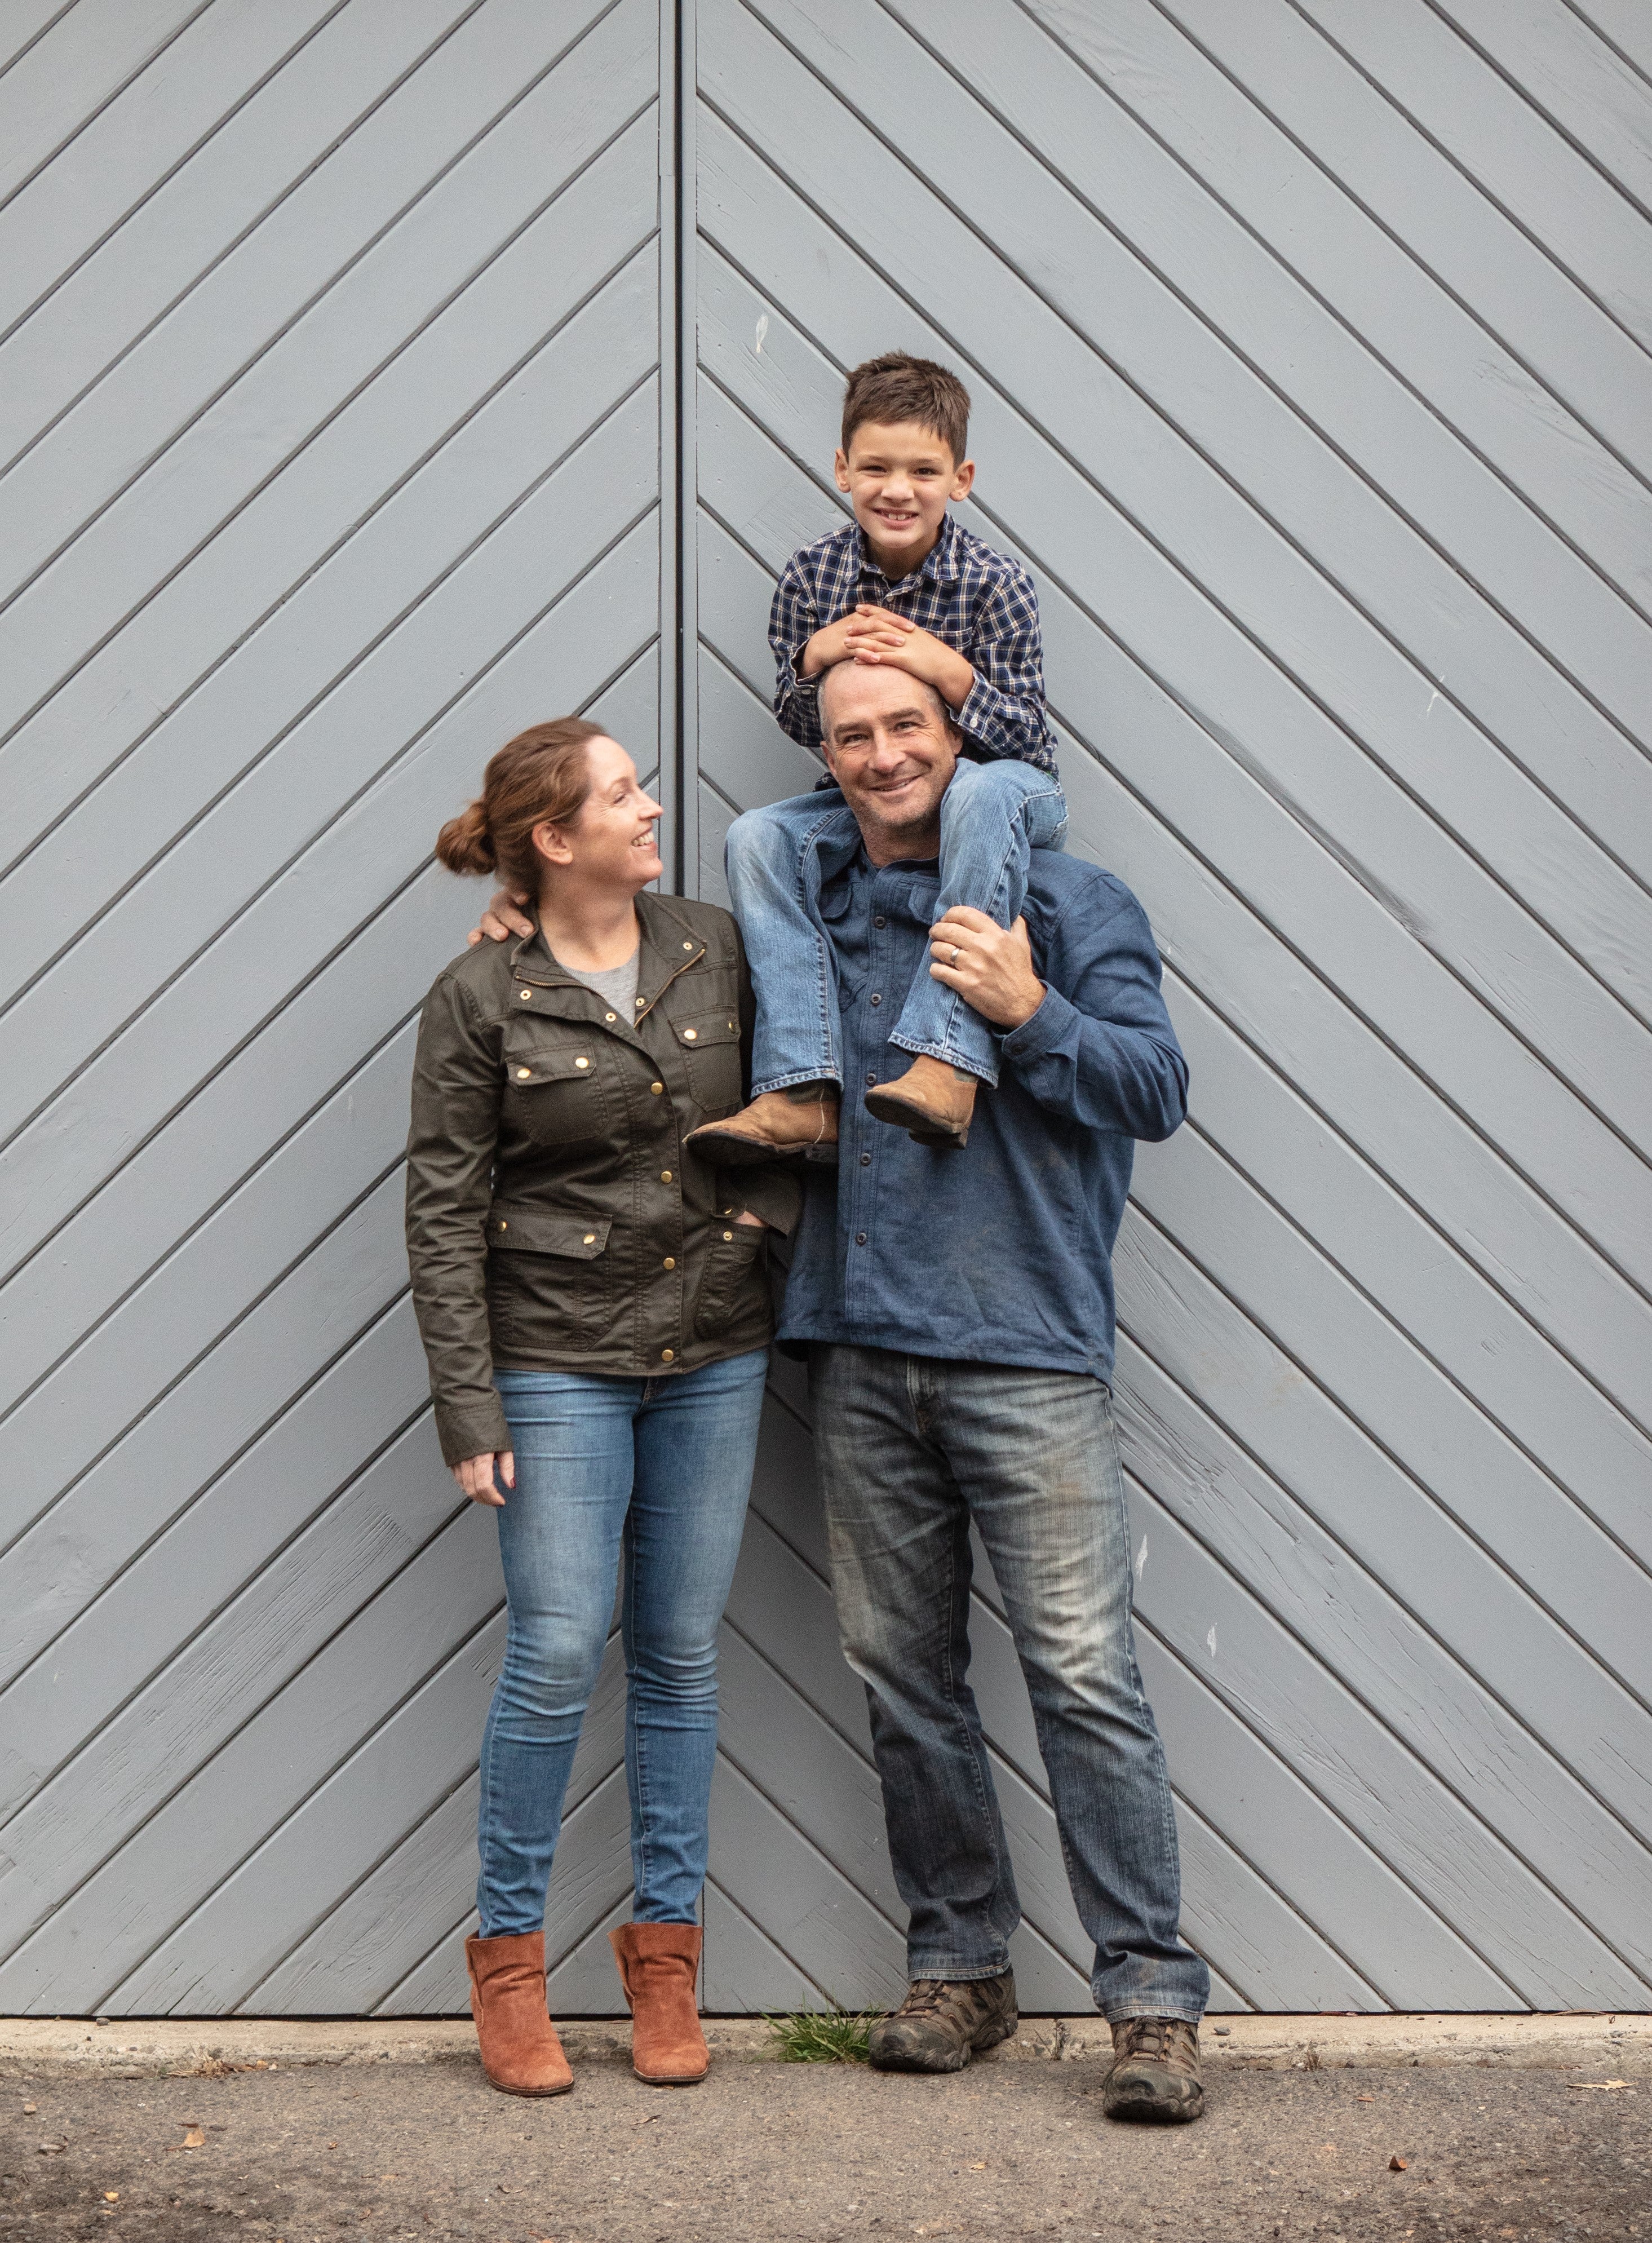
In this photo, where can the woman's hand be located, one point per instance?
(990, 966)
(476, 1476)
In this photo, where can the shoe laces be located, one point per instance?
(1156, 2040)
(923, 1997)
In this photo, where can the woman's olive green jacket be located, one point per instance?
(555, 1222)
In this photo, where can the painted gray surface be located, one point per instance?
(335, 431)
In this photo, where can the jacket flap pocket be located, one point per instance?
(566, 1063)
(721, 1027)
(537, 1231)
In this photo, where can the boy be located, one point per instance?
(904, 586)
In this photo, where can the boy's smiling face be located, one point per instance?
(899, 477)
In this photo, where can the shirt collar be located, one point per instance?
(941, 564)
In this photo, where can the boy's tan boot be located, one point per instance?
(521, 2054)
(659, 1963)
(932, 1100)
(775, 1124)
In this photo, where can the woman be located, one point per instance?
(594, 1306)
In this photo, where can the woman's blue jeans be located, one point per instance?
(991, 816)
(654, 1472)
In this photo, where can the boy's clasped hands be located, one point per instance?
(878, 635)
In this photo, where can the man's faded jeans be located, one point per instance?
(911, 1449)
(776, 858)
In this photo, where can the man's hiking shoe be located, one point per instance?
(943, 2022)
(777, 1124)
(1155, 2073)
(931, 1101)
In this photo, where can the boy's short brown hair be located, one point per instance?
(900, 388)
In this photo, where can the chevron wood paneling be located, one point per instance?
(335, 427)
(330, 356)
(1336, 499)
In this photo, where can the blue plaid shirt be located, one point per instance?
(979, 601)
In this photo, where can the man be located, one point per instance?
(956, 1308)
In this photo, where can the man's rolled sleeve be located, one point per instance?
(1106, 1057)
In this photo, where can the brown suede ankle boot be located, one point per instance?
(659, 1963)
(777, 1124)
(931, 1101)
(520, 2052)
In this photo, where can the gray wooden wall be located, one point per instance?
(1309, 346)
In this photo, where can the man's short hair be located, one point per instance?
(900, 388)
(920, 685)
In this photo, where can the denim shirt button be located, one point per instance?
(871, 1080)
(880, 920)
(876, 1000)
(866, 1160)
(860, 1238)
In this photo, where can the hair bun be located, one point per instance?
(465, 844)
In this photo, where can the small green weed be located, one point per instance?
(823, 2036)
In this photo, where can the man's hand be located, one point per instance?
(990, 966)
(475, 1475)
(876, 634)
(504, 917)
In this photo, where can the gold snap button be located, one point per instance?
(656, 1087)
(727, 1238)
(526, 995)
(670, 1262)
(687, 946)
(582, 1062)
(643, 1000)
(668, 1355)
(610, 1016)
(503, 1225)
(665, 1175)
(690, 1036)
(523, 1073)
(590, 1238)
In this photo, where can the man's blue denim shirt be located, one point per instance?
(1002, 1252)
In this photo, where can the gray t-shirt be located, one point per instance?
(617, 986)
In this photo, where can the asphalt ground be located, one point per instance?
(430, 2152)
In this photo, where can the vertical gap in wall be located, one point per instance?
(687, 494)
(669, 783)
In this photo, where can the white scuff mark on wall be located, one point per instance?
(1210, 1642)
(763, 329)
(1141, 1560)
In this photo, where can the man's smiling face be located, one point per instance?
(899, 478)
(892, 750)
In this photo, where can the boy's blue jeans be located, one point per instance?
(657, 1469)
(992, 815)
(911, 1448)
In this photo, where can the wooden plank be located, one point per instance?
(1516, 160)
(1425, 887)
(411, 556)
(1387, 1386)
(121, 153)
(833, 1936)
(136, 1487)
(1356, 1902)
(1573, 77)
(1388, 468)
(1410, 1677)
(1263, 1955)
(99, 1916)
(243, 238)
(1351, 1759)
(65, 77)
(1623, 22)
(423, 677)
(374, 1934)
(1382, 1517)
(1285, 1007)
(24, 22)
(355, 399)
(1320, 233)
(744, 1971)
(311, 1514)
(1337, 1200)
(742, 750)
(1582, 358)
(216, 1274)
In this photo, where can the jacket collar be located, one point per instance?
(669, 947)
